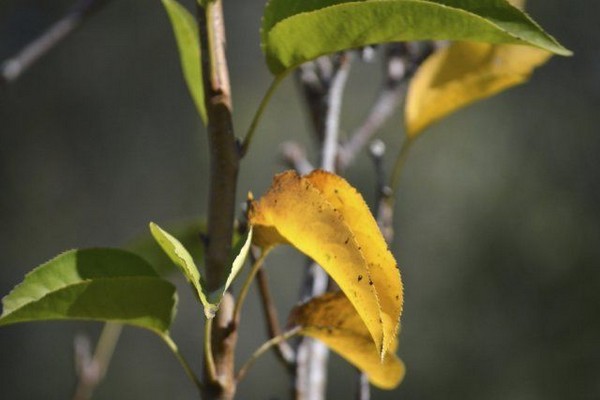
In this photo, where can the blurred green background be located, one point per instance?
(497, 221)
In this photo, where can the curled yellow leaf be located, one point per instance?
(328, 220)
(332, 319)
(463, 73)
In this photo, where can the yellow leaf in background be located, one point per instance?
(328, 220)
(463, 73)
(332, 319)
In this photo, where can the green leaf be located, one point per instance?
(182, 258)
(93, 284)
(187, 232)
(188, 43)
(239, 254)
(296, 31)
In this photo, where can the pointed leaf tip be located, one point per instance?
(297, 31)
(186, 33)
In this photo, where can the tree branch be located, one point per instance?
(224, 166)
(12, 68)
(401, 62)
(283, 350)
(92, 369)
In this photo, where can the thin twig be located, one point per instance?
(295, 156)
(384, 206)
(283, 350)
(332, 118)
(401, 62)
(14, 67)
(92, 370)
(263, 349)
(363, 391)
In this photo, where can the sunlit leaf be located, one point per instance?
(182, 258)
(296, 31)
(188, 43)
(462, 74)
(239, 254)
(327, 219)
(94, 284)
(187, 232)
(332, 319)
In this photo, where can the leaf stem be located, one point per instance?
(399, 164)
(259, 112)
(208, 351)
(244, 291)
(186, 366)
(263, 349)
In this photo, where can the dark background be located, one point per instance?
(497, 219)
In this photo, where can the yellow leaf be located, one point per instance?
(328, 220)
(463, 73)
(332, 319)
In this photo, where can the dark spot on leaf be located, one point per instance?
(370, 282)
(397, 297)
(346, 241)
(360, 278)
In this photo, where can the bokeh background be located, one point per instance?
(497, 221)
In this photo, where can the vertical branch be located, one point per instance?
(332, 117)
(323, 83)
(224, 165)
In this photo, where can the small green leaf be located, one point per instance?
(182, 258)
(296, 31)
(188, 43)
(239, 254)
(187, 232)
(94, 284)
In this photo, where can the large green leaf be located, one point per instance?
(93, 284)
(188, 43)
(296, 31)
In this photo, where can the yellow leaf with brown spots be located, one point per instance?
(325, 218)
(332, 319)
